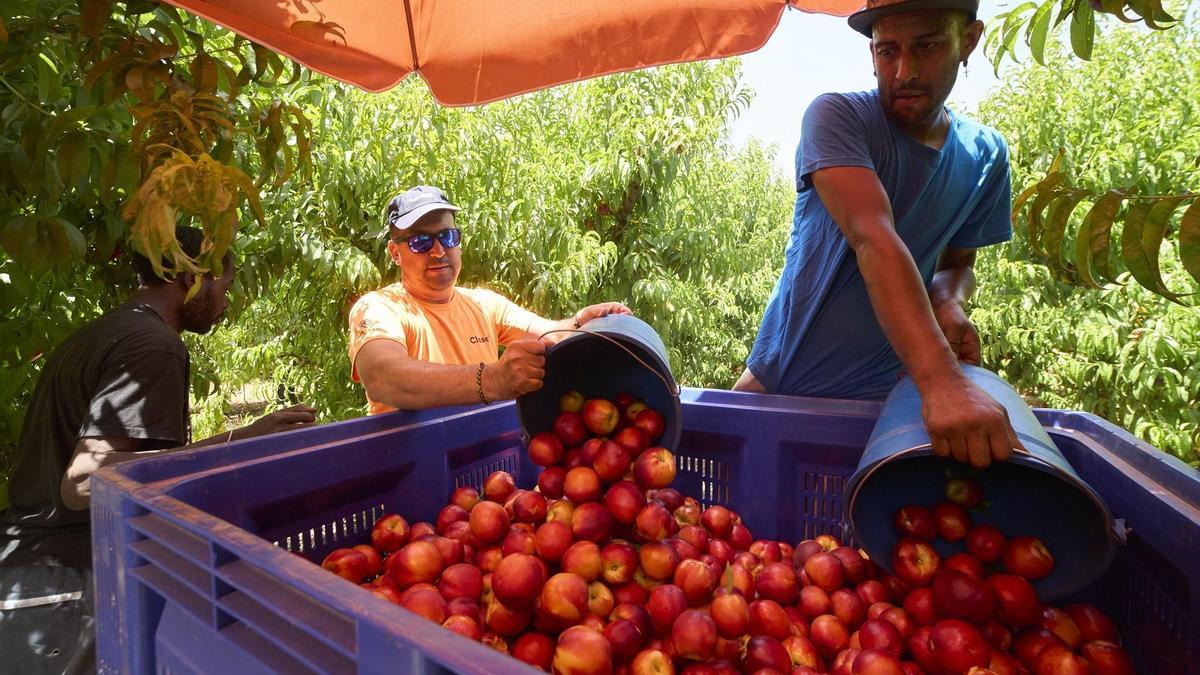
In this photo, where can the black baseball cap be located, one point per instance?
(875, 10)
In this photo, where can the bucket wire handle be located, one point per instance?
(673, 388)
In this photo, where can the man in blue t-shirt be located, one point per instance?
(895, 194)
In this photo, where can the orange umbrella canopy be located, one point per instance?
(475, 51)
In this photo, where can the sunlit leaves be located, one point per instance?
(1041, 22)
(1189, 240)
(203, 188)
(1144, 222)
(622, 188)
(108, 91)
(1115, 348)
(1006, 28)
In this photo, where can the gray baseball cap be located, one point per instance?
(407, 207)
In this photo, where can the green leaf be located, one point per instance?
(1189, 239)
(1046, 190)
(1039, 28)
(73, 157)
(1083, 29)
(1012, 25)
(1151, 12)
(1141, 241)
(1056, 226)
(1065, 9)
(1092, 240)
(1001, 41)
(1117, 9)
(13, 237)
(43, 80)
(49, 136)
(69, 243)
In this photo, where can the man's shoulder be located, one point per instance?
(973, 131)
(842, 115)
(860, 104)
(485, 297)
(392, 294)
(131, 327)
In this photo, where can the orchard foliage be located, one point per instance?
(115, 121)
(1039, 23)
(1088, 231)
(118, 119)
(1128, 118)
(622, 188)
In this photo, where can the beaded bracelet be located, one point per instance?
(479, 385)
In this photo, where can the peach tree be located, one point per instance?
(1118, 218)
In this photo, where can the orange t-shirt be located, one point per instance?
(469, 329)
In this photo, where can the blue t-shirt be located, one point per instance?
(819, 335)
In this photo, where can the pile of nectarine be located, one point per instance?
(604, 568)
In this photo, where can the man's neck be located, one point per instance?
(162, 301)
(440, 298)
(933, 134)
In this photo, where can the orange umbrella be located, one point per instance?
(475, 51)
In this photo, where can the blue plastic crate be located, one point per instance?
(194, 573)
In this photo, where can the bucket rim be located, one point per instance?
(642, 344)
(1021, 458)
(1025, 459)
(662, 368)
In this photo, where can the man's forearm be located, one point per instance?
(956, 284)
(89, 456)
(415, 385)
(902, 306)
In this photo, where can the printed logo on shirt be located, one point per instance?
(364, 325)
(480, 339)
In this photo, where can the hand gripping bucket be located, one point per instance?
(1035, 493)
(608, 355)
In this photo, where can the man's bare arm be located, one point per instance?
(394, 378)
(951, 288)
(962, 420)
(95, 452)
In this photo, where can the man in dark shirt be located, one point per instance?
(115, 390)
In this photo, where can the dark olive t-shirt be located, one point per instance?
(124, 375)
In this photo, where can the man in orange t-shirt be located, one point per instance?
(425, 342)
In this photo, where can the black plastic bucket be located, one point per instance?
(608, 355)
(1036, 493)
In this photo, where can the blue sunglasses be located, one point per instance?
(421, 243)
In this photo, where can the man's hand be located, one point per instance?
(959, 331)
(603, 309)
(281, 420)
(520, 370)
(965, 423)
